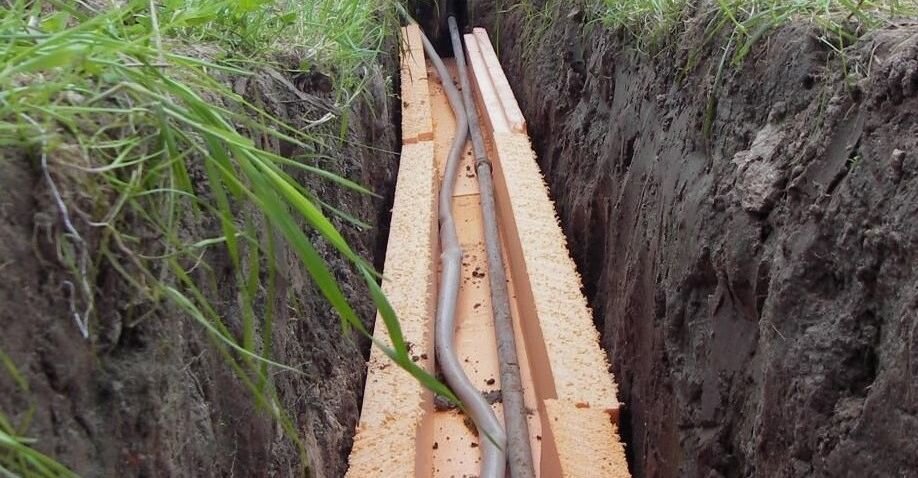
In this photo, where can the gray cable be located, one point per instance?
(519, 450)
(492, 437)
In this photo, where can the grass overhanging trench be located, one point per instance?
(733, 27)
(655, 25)
(122, 106)
(842, 22)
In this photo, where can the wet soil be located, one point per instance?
(155, 397)
(747, 240)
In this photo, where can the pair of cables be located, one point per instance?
(498, 446)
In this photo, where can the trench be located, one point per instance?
(746, 242)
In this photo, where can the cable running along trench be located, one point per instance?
(519, 449)
(403, 432)
(493, 439)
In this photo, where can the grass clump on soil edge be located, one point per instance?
(652, 21)
(655, 25)
(125, 109)
(732, 27)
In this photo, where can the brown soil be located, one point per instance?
(156, 398)
(756, 287)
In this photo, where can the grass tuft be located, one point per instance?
(655, 23)
(18, 457)
(125, 107)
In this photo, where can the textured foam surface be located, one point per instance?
(395, 404)
(580, 372)
(586, 441)
(487, 94)
(417, 124)
(512, 111)
(578, 394)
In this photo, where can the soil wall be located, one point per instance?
(155, 398)
(747, 240)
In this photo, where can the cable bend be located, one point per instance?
(493, 438)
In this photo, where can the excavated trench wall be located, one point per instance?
(751, 259)
(154, 397)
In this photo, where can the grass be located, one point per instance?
(17, 455)
(537, 23)
(125, 108)
(655, 23)
(656, 26)
(19, 458)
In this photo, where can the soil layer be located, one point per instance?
(747, 239)
(155, 398)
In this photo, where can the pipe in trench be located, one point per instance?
(493, 439)
(519, 450)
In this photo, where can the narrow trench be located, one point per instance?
(435, 28)
(743, 228)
